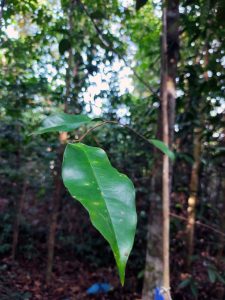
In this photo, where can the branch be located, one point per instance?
(200, 224)
(93, 128)
(116, 123)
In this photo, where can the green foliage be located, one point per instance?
(191, 284)
(214, 274)
(62, 122)
(162, 147)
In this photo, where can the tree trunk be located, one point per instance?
(19, 208)
(166, 82)
(56, 200)
(55, 210)
(58, 181)
(172, 19)
(193, 197)
(157, 263)
(194, 181)
(154, 265)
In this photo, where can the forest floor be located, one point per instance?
(24, 280)
(83, 258)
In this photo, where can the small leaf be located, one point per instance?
(64, 46)
(212, 275)
(184, 283)
(194, 290)
(186, 157)
(221, 279)
(162, 147)
(62, 122)
(108, 196)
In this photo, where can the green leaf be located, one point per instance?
(221, 279)
(212, 275)
(194, 289)
(162, 147)
(185, 283)
(62, 122)
(108, 196)
(186, 157)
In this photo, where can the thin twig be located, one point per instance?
(93, 128)
(199, 224)
(137, 133)
(116, 123)
(107, 45)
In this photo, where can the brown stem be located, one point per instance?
(198, 223)
(116, 123)
(93, 128)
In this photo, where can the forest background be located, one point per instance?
(106, 59)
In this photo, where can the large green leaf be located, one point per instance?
(108, 196)
(62, 122)
(162, 147)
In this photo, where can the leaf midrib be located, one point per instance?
(103, 199)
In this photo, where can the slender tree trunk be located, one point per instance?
(194, 181)
(154, 265)
(166, 170)
(57, 180)
(56, 198)
(193, 197)
(157, 262)
(170, 55)
(54, 214)
(19, 208)
(172, 32)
